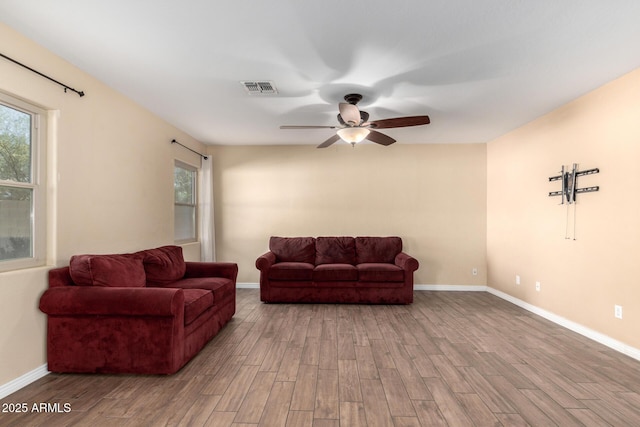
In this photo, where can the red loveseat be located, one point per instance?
(371, 270)
(147, 312)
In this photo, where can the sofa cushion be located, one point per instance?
(122, 270)
(335, 250)
(377, 249)
(293, 249)
(164, 264)
(300, 285)
(219, 286)
(335, 273)
(291, 271)
(380, 272)
(337, 284)
(196, 301)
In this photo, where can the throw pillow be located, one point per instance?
(164, 264)
(335, 250)
(118, 270)
(293, 249)
(377, 249)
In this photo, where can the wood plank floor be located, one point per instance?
(449, 359)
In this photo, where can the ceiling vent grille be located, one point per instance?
(260, 88)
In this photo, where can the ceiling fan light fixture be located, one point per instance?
(355, 125)
(353, 135)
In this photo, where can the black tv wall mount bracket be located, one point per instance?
(570, 183)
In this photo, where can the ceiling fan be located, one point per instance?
(355, 127)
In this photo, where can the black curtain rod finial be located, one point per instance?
(80, 93)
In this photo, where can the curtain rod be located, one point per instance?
(193, 151)
(79, 92)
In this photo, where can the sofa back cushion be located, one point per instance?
(293, 249)
(335, 250)
(377, 249)
(123, 270)
(164, 264)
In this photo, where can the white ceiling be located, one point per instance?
(478, 68)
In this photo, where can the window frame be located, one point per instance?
(37, 184)
(194, 204)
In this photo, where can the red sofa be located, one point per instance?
(371, 270)
(147, 312)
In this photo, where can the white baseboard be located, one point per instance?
(247, 285)
(573, 326)
(464, 288)
(22, 381)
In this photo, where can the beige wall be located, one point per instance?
(110, 186)
(433, 196)
(582, 279)
(456, 206)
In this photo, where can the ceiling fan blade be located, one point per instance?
(350, 114)
(379, 138)
(307, 127)
(329, 141)
(400, 122)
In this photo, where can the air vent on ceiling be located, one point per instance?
(260, 88)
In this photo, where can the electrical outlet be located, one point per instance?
(517, 279)
(538, 286)
(617, 311)
(474, 271)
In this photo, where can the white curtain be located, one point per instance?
(207, 225)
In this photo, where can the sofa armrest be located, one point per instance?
(228, 270)
(60, 276)
(406, 262)
(112, 301)
(265, 261)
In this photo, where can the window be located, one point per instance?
(22, 194)
(185, 207)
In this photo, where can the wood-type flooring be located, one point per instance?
(448, 359)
